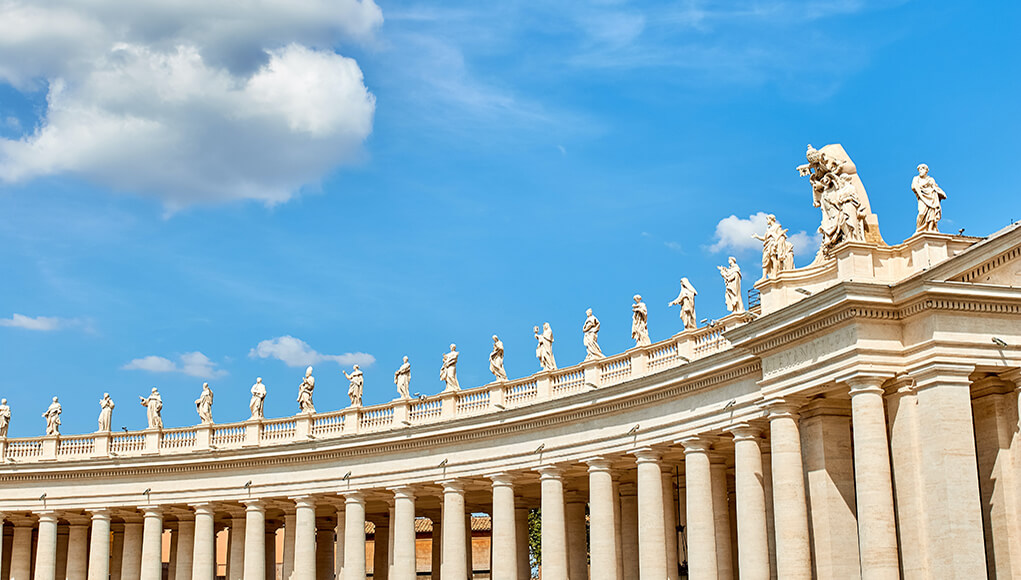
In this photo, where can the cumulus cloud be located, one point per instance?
(295, 352)
(193, 364)
(735, 234)
(190, 102)
(43, 323)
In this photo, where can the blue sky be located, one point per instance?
(191, 195)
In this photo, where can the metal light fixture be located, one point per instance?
(633, 430)
(540, 448)
(1000, 342)
(803, 291)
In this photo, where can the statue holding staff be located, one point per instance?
(305, 390)
(153, 409)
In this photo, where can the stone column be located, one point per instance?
(521, 540)
(185, 546)
(21, 551)
(618, 547)
(767, 488)
(452, 555)
(602, 523)
(99, 546)
(131, 559)
(752, 541)
(3, 518)
(504, 559)
(554, 526)
(152, 544)
(304, 538)
(877, 525)
(905, 453)
(338, 548)
(381, 549)
(949, 470)
(670, 522)
(793, 551)
(404, 564)
(116, 551)
(354, 536)
(63, 538)
(288, 564)
(577, 554)
(271, 553)
(325, 559)
(701, 527)
(46, 547)
(469, 556)
(254, 554)
(435, 566)
(204, 554)
(77, 549)
(629, 530)
(651, 536)
(175, 537)
(236, 549)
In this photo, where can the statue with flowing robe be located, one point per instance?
(52, 416)
(732, 284)
(204, 405)
(930, 196)
(5, 417)
(153, 409)
(590, 338)
(496, 360)
(448, 370)
(777, 250)
(305, 390)
(258, 402)
(640, 322)
(544, 347)
(402, 378)
(686, 300)
(356, 385)
(105, 413)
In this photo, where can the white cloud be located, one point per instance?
(735, 234)
(43, 323)
(190, 102)
(295, 352)
(193, 364)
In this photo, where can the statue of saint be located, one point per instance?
(496, 360)
(153, 409)
(52, 416)
(308, 385)
(686, 300)
(448, 371)
(356, 386)
(777, 251)
(5, 417)
(839, 192)
(258, 402)
(929, 197)
(204, 405)
(732, 282)
(402, 378)
(105, 413)
(640, 322)
(591, 336)
(544, 348)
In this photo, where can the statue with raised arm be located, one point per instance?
(544, 347)
(52, 416)
(839, 193)
(105, 413)
(5, 417)
(640, 322)
(204, 405)
(590, 338)
(777, 251)
(929, 196)
(356, 386)
(402, 378)
(496, 360)
(305, 390)
(258, 402)
(153, 409)
(448, 371)
(732, 284)
(686, 300)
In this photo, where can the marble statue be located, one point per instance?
(929, 197)
(448, 371)
(591, 336)
(686, 300)
(356, 386)
(5, 417)
(839, 193)
(308, 385)
(777, 250)
(258, 402)
(496, 360)
(52, 416)
(544, 348)
(105, 413)
(640, 322)
(153, 409)
(732, 283)
(204, 405)
(402, 378)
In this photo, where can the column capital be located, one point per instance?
(547, 472)
(452, 485)
(77, 520)
(1013, 376)
(744, 432)
(151, 511)
(865, 382)
(353, 497)
(647, 455)
(991, 385)
(598, 464)
(782, 407)
(205, 508)
(48, 516)
(502, 479)
(254, 505)
(99, 514)
(938, 373)
(403, 492)
(901, 384)
(696, 444)
(303, 501)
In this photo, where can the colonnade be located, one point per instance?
(803, 489)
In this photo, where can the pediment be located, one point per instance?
(994, 261)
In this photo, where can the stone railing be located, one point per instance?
(398, 414)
